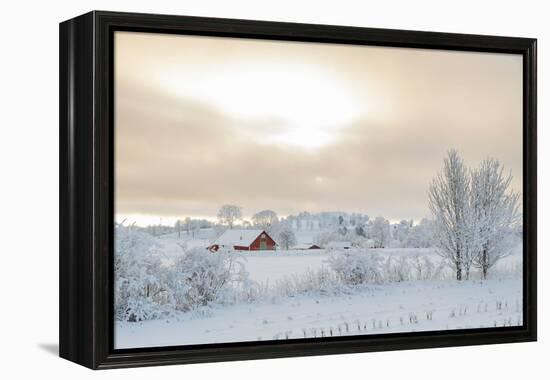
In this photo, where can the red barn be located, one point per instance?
(245, 240)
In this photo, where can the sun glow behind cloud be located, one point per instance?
(309, 105)
(292, 126)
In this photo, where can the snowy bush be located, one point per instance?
(361, 242)
(356, 267)
(407, 268)
(325, 239)
(139, 292)
(321, 281)
(201, 277)
(426, 269)
(196, 279)
(396, 269)
(146, 288)
(506, 271)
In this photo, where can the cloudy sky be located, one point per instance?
(204, 121)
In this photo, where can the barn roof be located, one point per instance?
(304, 246)
(339, 244)
(238, 237)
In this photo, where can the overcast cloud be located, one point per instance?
(302, 127)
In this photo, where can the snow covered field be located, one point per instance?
(398, 307)
(268, 267)
(368, 309)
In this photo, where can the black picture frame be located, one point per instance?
(86, 188)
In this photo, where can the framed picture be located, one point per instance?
(237, 189)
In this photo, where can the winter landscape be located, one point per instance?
(326, 274)
(379, 193)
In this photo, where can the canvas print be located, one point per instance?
(276, 190)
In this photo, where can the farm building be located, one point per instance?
(245, 240)
(306, 246)
(339, 245)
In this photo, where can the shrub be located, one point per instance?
(148, 288)
(321, 281)
(201, 277)
(140, 293)
(355, 267)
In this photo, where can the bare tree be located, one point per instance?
(229, 214)
(495, 211)
(448, 201)
(287, 238)
(265, 219)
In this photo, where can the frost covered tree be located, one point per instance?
(343, 230)
(265, 219)
(287, 238)
(380, 232)
(177, 227)
(229, 214)
(475, 211)
(187, 224)
(193, 227)
(402, 231)
(448, 201)
(420, 235)
(495, 213)
(360, 231)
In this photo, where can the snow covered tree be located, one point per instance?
(360, 231)
(448, 201)
(229, 214)
(495, 213)
(177, 227)
(401, 232)
(380, 232)
(195, 226)
(187, 224)
(287, 238)
(475, 211)
(420, 235)
(265, 219)
(343, 230)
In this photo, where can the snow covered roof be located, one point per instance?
(238, 237)
(339, 244)
(304, 246)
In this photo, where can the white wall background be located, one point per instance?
(29, 186)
